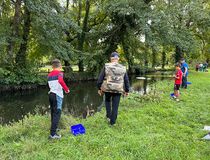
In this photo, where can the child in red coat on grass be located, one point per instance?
(178, 81)
(56, 85)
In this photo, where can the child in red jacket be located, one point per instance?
(178, 81)
(56, 85)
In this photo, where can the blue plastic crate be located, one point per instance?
(77, 129)
(172, 94)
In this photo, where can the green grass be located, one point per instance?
(152, 127)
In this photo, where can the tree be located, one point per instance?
(85, 32)
(21, 54)
(14, 34)
(81, 36)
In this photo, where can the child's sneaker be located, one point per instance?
(108, 119)
(177, 100)
(56, 136)
(207, 137)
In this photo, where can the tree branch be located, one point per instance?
(97, 23)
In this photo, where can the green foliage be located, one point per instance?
(142, 29)
(48, 27)
(2, 72)
(20, 77)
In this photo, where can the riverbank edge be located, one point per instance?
(72, 77)
(69, 77)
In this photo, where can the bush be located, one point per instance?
(20, 76)
(1, 72)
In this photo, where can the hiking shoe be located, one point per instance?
(207, 137)
(108, 120)
(112, 124)
(56, 136)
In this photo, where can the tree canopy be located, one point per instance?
(85, 32)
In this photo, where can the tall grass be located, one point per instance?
(151, 127)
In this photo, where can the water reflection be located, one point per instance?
(13, 106)
(142, 84)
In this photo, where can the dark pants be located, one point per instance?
(112, 102)
(55, 113)
(184, 82)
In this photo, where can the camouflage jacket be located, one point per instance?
(113, 78)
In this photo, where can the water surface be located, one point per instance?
(14, 106)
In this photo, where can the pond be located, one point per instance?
(14, 106)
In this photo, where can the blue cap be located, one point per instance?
(115, 55)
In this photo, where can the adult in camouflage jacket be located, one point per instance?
(113, 81)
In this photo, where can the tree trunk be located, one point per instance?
(163, 59)
(81, 38)
(15, 27)
(79, 24)
(1, 8)
(146, 61)
(178, 54)
(67, 68)
(111, 48)
(67, 5)
(145, 86)
(21, 55)
(128, 56)
(154, 59)
(146, 55)
(79, 15)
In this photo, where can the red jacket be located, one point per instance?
(178, 79)
(56, 83)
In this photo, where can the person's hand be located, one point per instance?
(126, 94)
(67, 91)
(100, 92)
(184, 74)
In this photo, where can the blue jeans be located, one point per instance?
(184, 82)
(112, 101)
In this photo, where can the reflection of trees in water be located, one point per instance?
(16, 106)
(141, 85)
(102, 104)
(1, 114)
(137, 85)
(145, 86)
(81, 95)
(85, 94)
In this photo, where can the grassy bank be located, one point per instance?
(149, 127)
